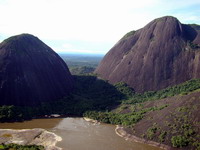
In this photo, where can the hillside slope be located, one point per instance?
(173, 121)
(163, 53)
(177, 125)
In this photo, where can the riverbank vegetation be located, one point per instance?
(125, 119)
(20, 147)
(90, 93)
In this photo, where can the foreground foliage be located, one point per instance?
(20, 147)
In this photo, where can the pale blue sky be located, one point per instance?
(87, 26)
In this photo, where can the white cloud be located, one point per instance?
(73, 48)
(88, 20)
(85, 20)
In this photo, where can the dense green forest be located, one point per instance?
(20, 147)
(182, 89)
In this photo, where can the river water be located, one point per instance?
(78, 134)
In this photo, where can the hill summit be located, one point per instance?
(163, 53)
(31, 72)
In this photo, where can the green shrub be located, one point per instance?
(21, 147)
(179, 141)
(151, 131)
(197, 145)
(162, 136)
(128, 34)
(125, 89)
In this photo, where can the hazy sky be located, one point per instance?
(87, 26)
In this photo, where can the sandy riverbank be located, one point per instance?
(121, 132)
(90, 120)
(30, 137)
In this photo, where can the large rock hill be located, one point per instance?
(31, 72)
(163, 53)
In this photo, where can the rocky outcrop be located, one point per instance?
(30, 137)
(163, 53)
(31, 72)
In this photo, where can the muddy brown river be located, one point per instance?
(78, 134)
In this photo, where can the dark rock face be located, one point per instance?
(31, 72)
(163, 53)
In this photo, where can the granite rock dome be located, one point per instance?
(163, 53)
(31, 72)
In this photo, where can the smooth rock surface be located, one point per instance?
(31, 72)
(163, 53)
